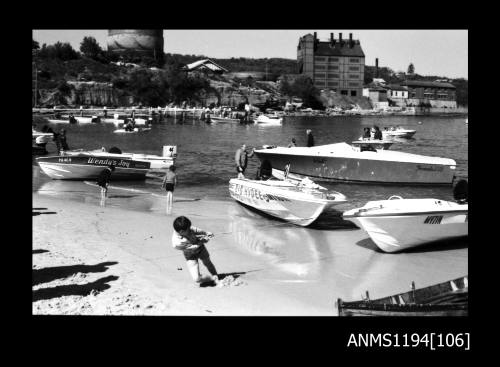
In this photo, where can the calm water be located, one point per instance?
(206, 152)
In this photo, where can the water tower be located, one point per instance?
(144, 41)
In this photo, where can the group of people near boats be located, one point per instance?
(59, 138)
(373, 133)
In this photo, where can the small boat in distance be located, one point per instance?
(400, 224)
(224, 119)
(450, 298)
(298, 203)
(398, 132)
(269, 119)
(136, 130)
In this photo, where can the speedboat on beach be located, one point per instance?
(157, 162)
(398, 133)
(398, 224)
(372, 144)
(88, 166)
(300, 204)
(342, 162)
(269, 119)
(450, 298)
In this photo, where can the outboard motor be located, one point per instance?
(461, 192)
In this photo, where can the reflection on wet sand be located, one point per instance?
(287, 247)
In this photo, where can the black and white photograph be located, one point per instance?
(250, 172)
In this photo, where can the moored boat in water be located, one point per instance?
(450, 298)
(269, 119)
(400, 224)
(398, 133)
(343, 162)
(224, 119)
(298, 203)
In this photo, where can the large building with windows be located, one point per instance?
(337, 64)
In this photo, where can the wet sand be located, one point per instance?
(118, 259)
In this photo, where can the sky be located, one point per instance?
(432, 52)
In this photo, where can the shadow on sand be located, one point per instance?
(39, 251)
(211, 283)
(443, 245)
(73, 289)
(46, 275)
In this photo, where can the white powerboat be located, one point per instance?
(398, 133)
(157, 162)
(269, 119)
(224, 119)
(86, 166)
(367, 144)
(398, 224)
(346, 163)
(135, 130)
(300, 204)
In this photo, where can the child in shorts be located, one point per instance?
(191, 241)
(169, 183)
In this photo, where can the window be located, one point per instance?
(353, 93)
(353, 76)
(333, 84)
(320, 67)
(333, 67)
(353, 68)
(353, 84)
(320, 75)
(344, 92)
(320, 59)
(333, 76)
(334, 59)
(319, 83)
(354, 60)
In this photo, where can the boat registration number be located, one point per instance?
(429, 167)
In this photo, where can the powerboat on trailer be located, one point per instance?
(398, 224)
(342, 162)
(298, 203)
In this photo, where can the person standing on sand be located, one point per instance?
(191, 241)
(241, 159)
(310, 138)
(169, 182)
(292, 144)
(103, 182)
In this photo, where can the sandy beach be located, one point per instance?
(112, 260)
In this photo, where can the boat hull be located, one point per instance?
(89, 168)
(399, 134)
(361, 170)
(398, 233)
(301, 211)
(224, 119)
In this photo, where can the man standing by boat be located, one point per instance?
(310, 138)
(241, 159)
(103, 182)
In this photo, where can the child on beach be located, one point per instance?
(169, 182)
(103, 181)
(191, 241)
